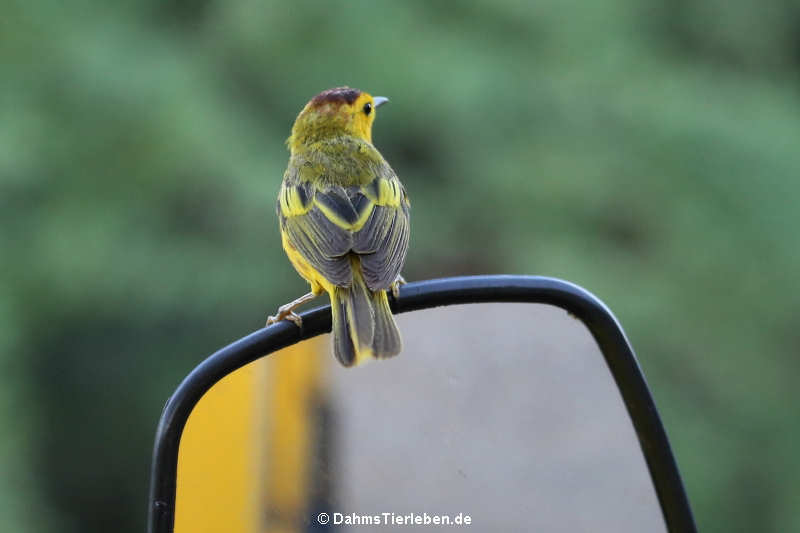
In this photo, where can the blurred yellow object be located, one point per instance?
(295, 395)
(243, 463)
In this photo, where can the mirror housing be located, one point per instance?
(581, 304)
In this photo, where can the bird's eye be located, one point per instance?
(367, 108)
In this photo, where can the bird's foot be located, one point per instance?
(286, 312)
(399, 280)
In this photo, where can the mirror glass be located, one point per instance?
(503, 417)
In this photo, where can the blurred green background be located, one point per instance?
(648, 150)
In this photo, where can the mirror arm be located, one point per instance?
(602, 324)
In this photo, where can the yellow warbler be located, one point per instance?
(344, 222)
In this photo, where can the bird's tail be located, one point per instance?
(363, 325)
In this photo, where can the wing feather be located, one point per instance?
(326, 224)
(320, 241)
(382, 242)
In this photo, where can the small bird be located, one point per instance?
(344, 222)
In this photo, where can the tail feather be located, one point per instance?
(360, 316)
(387, 340)
(342, 344)
(363, 325)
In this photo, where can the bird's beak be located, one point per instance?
(379, 101)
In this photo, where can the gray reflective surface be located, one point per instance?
(504, 412)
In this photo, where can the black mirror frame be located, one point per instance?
(602, 324)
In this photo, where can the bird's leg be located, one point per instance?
(287, 311)
(399, 280)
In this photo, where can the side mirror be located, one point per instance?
(515, 416)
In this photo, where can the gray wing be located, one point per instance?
(323, 243)
(327, 225)
(382, 242)
(382, 245)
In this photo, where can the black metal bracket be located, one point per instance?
(591, 311)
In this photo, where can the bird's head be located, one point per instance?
(335, 112)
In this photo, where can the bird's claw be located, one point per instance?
(285, 314)
(286, 311)
(396, 286)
